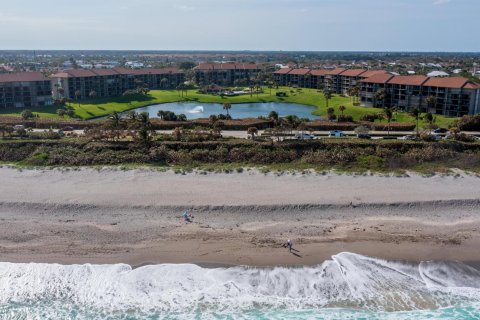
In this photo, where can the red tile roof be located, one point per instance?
(408, 80)
(300, 72)
(370, 73)
(453, 82)
(335, 71)
(378, 78)
(83, 73)
(283, 71)
(471, 85)
(105, 72)
(318, 72)
(22, 77)
(353, 72)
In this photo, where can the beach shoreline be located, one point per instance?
(134, 217)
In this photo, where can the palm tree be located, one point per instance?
(342, 110)
(327, 94)
(415, 112)
(380, 96)
(388, 115)
(78, 95)
(164, 83)
(355, 94)
(115, 123)
(431, 102)
(252, 131)
(61, 112)
(92, 94)
(227, 107)
(161, 114)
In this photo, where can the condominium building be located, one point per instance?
(226, 74)
(452, 96)
(337, 80)
(24, 90)
(83, 83)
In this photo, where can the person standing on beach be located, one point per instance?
(289, 245)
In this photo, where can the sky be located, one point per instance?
(288, 25)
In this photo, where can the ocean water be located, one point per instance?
(349, 286)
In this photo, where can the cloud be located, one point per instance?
(440, 2)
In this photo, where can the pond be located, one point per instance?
(197, 110)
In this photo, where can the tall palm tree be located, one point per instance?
(342, 110)
(431, 102)
(415, 112)
(327, 94)
(78, 95)
(227, 107)
(115, 123)
(380, 95)
(388, 113)
(355, 94)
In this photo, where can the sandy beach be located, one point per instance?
(114, 216)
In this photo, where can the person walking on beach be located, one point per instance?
(289, 245)
(188, 217)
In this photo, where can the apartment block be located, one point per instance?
(451, 96)
(113, 82)
(225, 74)
(24, 90)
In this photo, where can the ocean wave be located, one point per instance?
(346, 282)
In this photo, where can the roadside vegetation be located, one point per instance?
(133, 141)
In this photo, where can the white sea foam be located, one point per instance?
(347, 281)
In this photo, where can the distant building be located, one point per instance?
(438, 74)
(24, 90)
(113, 82)
(225, 74)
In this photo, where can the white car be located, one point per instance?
(407, 137)
(304, 136)
(18, 127)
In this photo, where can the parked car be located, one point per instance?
(337, 134)
(440, 131)
(408, 137)
(67, 129)
(364, 136)
(304, 136)
(19, 127)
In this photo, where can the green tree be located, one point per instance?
(342, 109)
(227, 107)
(415, 113)
(431, 102)
(61, 112)
(78, 95)
(328, 95)
(380, 96)
(252, 131)
(27, 114)
(388, 113)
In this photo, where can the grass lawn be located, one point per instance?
(312, 97)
